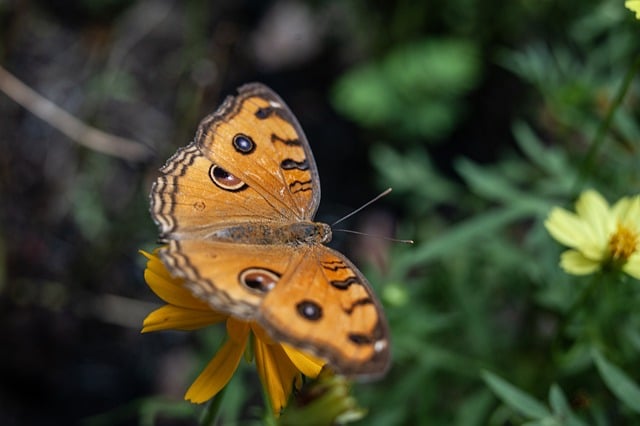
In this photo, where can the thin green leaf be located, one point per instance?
(473, 411)
(618, 382)
(558, 401)
(516, 398)
(463, 233)
(545, 158)
(561, 408)
(495, 186)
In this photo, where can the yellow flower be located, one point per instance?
(633, 5)
(279, 365)
(599, 236)
(326, 400)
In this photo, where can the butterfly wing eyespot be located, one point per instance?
(243, 144)
(309, 310)
(261, 280)
(225, 180)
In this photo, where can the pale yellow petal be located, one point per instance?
(565, 227)
(595, 252)
(217, 373)
(170, 317)
(633, 5)
(594, 210)
(633, 213)
(574, 262)
(632, 266)
(627, 211)
(308, 364)
(277, 373)
(621, 207)
(572, 231)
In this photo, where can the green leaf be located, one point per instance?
(467, 232)
(515, 398)
(474, 409)
(364, 95)
(495, 186)
(618, 382)
(401, 170)
(416, 88)
(561, 408)
(543, 157)
(558, 401)
(439, 67)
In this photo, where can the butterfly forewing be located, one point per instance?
(186, 202)
(256, 128)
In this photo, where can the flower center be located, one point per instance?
(623, 243)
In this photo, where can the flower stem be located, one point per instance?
(571, 314)
(598, 139)
(211, 412)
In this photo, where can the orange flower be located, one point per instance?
(279, 365)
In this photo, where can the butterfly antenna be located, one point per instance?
(376, 198)
(395, 240)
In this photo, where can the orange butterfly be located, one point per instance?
(236, 209)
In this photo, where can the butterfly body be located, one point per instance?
(297, 233)
(235, 208)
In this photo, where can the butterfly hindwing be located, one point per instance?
(310, 297)
(336, 314)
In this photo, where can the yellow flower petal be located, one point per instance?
(217, 373)
(167, 287)
(627, 211)
(568, 229)
(594, 210)
(277, 373)
(308, 364)
(237, 330)
(632, 267)
(171, 317)
(576, 263)
(171, 291)
(632, 217)
(633, 5)
(154, 263)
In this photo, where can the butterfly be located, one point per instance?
(235, 210)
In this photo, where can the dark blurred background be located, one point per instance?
(72, 297)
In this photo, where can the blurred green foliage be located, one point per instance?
(424, 80)
(485, 323)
